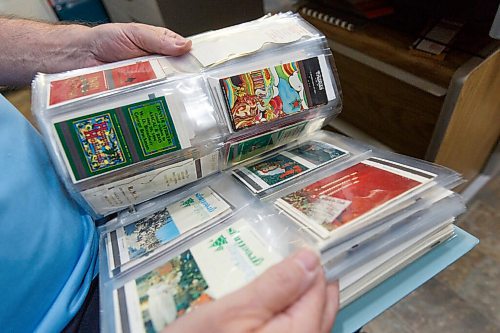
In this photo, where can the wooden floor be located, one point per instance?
(463, 298)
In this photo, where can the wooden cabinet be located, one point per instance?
(447, 111)
(391, 111)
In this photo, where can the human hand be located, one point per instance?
(291, 297)
(119, 41)
(29, 47)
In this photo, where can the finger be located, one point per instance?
(307, 312)
(278, 287)
(252, 306)
(205, 318)
(157, 39)
(331, 308)
(305, 315)
(281, 285)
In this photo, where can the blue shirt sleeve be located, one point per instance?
(48, 246)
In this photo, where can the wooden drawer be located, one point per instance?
(395, 113)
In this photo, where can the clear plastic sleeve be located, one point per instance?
(52, 91)
(213, 48)
(336, 205)
(268, 175)
(246, 148)
(206, 267)
(166, 128)
(380, 224)
(418, 226)
(161, 224)
(111, 134)
(150, 181)
(277, 87)
(366, 277)
(234, 251)
(269, 73)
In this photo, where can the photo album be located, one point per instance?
(204, 170)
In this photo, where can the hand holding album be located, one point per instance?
(304, 303)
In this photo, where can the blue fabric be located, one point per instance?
(48, 246)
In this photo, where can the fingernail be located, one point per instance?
(180, 41)
(307, 259)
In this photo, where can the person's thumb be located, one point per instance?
(157, 39)
(248, 308)
(281, 285)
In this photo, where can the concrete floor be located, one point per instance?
(466, 296)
